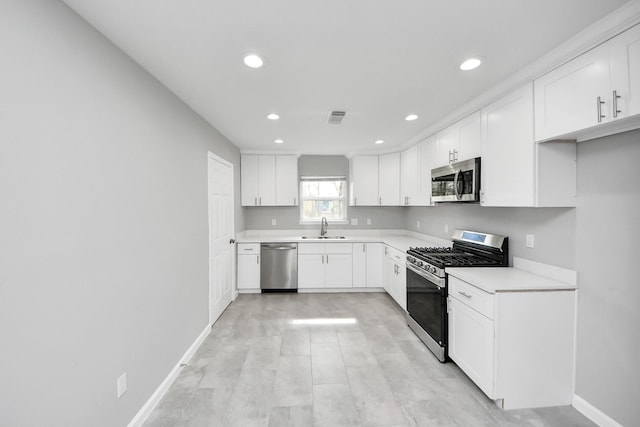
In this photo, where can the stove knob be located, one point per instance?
(432, 270)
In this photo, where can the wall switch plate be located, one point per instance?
(417, 224)
(273, 221)
(354, 221)
(122, 384)
(530, 240)
(446, 228)
(368, 221)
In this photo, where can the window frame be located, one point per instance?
(344, 199)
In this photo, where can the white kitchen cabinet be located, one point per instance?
(367, 265)
(389, 179)
(599, 87)
(248, 266)
(458, 142)
(325, 265)
(515, 170)
(410, 177)
(363, 171)
(286, 180)
(427, 162)
(517, 346)
(269, 180)
(395, 276)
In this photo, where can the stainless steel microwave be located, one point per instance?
(457, 182)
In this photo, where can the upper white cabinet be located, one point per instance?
(389, 179)
(363, 171)
(268, 180)
(460, 141)
(287, 181)
(515, 170)
(410, 177)
(599, 87)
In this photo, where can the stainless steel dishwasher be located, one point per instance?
(279, 267)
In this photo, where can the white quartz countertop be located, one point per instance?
(507, 279)
(397, 239)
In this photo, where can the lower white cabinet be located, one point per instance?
(517, 346)
(395, 276)
(367, 265)
(248, 266)
(325, 265)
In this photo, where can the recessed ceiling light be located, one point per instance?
(273, 116)
(411, 117)
(254, 61)
(278, 141)
(470, 64)
(378, 141)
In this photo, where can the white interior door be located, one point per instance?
(221, 236)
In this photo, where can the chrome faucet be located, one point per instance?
(324, 225)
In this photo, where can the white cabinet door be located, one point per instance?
(508, 151)
(410, 177)
(388, 271)
(249, 180)
(360, 256)
(286, 180)
(249, 271)
(311, 270)
(625, 69)
(389, 179)
(364, 181)
(471, 344)
(469, 136)
(574, 96)
(427, 162)
(267, 180)
(375, 256)
(339, 271)
(446, 143)
(401, 286)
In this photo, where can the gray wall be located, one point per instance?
(288, 217)
(103, 223)
(608, 214)
(553, 228)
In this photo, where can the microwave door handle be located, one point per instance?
(455, 184)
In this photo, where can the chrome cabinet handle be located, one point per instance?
(464, 294)
(255, 201)
(294, 201)
(327, 259)
(258, 259)
(615, 103)
(355, 201)
(599, 104)
(380, 200)
(260, 200)
(363, 248)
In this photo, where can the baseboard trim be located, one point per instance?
(593, 413)
(157, 395)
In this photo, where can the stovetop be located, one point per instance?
(470, 249)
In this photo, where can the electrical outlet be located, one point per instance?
(530, 240)
(273, 221)
(446, 228)
(417, 224)
(354, 221)
(368, 221)
(122, 384)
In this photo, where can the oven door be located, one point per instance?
(427, 308)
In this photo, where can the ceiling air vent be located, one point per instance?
(335, 117)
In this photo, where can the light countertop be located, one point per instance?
(398, 239)
(507, 279)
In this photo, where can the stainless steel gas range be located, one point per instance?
(427, 281)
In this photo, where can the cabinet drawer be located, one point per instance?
(338, 248)
(471, 296)
(310, 248)
(248, 248)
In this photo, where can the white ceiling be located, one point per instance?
(379, 60)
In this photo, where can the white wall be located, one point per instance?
(103, 222)
(608, 249)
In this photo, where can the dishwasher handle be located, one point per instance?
(279, 246)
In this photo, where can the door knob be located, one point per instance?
(232, 241)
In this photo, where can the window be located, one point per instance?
(323, 197)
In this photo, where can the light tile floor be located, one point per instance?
(257, 368)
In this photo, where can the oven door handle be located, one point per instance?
(439, 282)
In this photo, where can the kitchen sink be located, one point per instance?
(323, 237)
